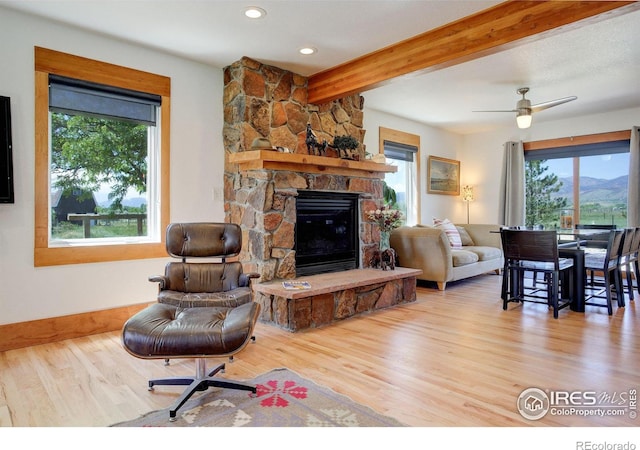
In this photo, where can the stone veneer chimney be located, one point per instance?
(265, 101)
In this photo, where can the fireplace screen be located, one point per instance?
(326, 232)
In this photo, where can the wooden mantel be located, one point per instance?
(267, 159)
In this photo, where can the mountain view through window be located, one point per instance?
(602, 193)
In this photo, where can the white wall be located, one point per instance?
(197, 155)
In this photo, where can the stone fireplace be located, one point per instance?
(262, 188)
(269, 184)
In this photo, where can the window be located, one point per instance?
(403, 151)
(585, 183)
(102, 136)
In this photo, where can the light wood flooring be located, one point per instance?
(452, 358)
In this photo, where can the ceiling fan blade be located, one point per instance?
(549, 104)
(498, 110)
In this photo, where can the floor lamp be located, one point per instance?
(467, 196)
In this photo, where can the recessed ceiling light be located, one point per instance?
(253, 12)
(308, 50)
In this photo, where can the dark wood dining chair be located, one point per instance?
(628, 258)
(607, 264)
(526, 252)
(634, 261)
(593, 239)
(592, 226)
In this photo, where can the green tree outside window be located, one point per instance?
(541, 208)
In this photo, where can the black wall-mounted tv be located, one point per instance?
(6, 152)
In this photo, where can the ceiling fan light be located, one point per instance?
(524, 120)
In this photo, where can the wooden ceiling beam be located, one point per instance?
(495, 29)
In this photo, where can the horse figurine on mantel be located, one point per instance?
(313, 146)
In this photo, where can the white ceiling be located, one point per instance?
(598, 63)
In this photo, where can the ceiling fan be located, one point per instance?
(524, 109)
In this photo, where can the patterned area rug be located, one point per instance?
(283, 399)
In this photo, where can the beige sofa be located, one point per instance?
(428, 248)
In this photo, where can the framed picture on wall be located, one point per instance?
(443, 176)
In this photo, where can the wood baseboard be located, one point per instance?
(44, 331)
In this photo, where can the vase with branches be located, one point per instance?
(387, 219)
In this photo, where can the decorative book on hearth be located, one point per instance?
(296, 285)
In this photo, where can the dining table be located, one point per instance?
(576, 253)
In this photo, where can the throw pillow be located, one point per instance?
(464, 236)
(450, 230)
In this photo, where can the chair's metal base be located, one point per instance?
(253, 341)
(199, 382)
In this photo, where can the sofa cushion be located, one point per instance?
(463, 257)
(450, 230)
(484, 253)
(464, 237)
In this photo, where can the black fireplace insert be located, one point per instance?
(326, 232)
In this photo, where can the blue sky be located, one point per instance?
(605, 167)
